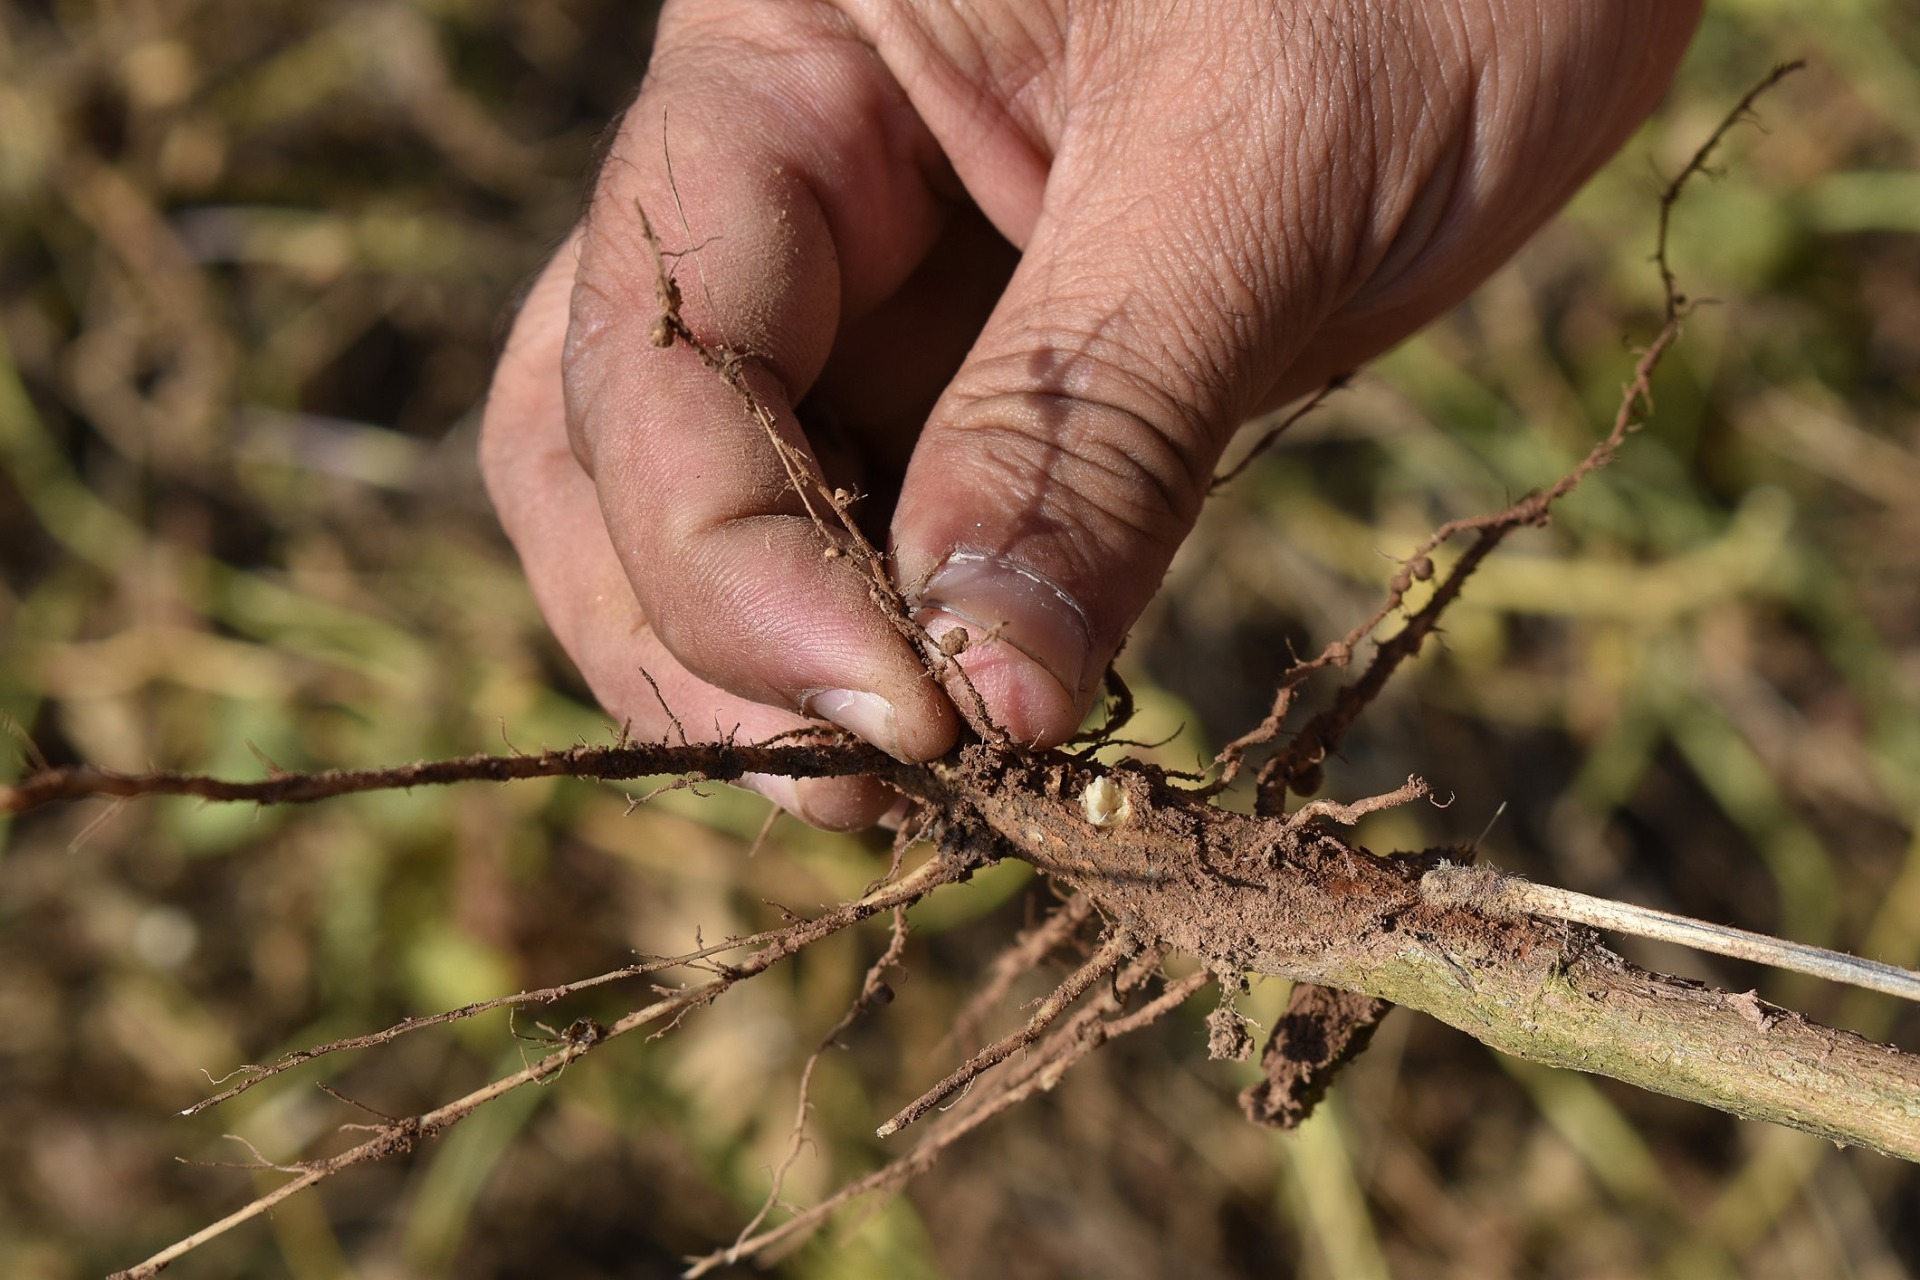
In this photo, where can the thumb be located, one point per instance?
(1070, 455)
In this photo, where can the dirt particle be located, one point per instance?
(1227, 1038)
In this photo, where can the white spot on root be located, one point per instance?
(1105, 803)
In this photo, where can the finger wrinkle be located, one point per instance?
(1108, 467)
(1122, 383)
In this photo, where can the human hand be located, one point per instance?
(1217, 206)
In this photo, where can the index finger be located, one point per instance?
(791, 185)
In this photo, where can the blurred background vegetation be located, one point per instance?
(253, 259)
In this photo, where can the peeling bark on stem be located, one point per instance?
(1247, 893)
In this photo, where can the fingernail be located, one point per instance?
(999, 601)
(867, 714)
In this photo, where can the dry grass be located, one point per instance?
(251, 260)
